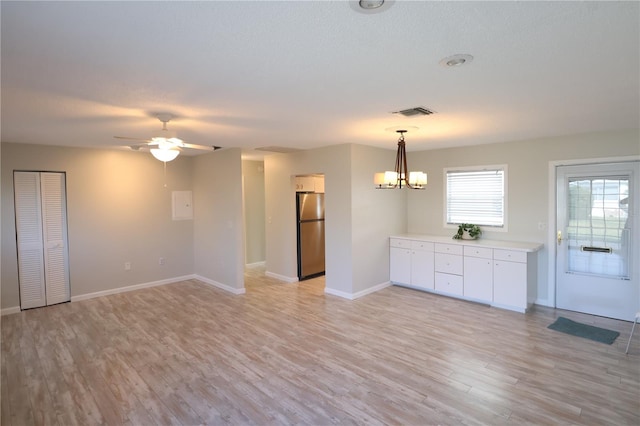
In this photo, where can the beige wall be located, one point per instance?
(254, 213)
(218, 226)
(358, 218)
(118, 211)
(528, 183)
(376, 214)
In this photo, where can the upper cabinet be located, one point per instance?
(313, 183)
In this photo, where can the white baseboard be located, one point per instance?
(543, 302)
(131, 288)
(371, 290)
(281, 277)
(353, 296)
(9, 311)
(220, 285)
(16, 309)
(255, 264)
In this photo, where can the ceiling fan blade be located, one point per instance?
(131, 139)
(200, 147)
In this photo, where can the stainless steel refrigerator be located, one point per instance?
(310, 219)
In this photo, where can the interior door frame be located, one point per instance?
(553, 206)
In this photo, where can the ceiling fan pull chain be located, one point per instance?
(165, 173)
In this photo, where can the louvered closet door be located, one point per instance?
(54, 226)
(29, 239)
(43, 272)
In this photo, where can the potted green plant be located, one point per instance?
(467, 231)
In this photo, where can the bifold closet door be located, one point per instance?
(41, 225)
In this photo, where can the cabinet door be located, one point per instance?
(400, 265)
(318, 184)
(510, 284)
(305, 184)
(422, 269)
(478, 278)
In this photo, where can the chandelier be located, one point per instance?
(400, 176)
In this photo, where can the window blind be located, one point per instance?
(476, 196)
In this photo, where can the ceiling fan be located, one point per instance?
(166, 146)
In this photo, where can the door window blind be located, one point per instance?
(476, 196)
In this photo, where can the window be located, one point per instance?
(476, 195)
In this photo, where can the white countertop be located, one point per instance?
(496, 244)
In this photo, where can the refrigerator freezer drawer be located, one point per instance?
(311, 248)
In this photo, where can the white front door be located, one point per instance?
(598, 239)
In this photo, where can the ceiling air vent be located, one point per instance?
(412, 112)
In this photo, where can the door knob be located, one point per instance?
(559, 237)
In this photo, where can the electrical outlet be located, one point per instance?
(127, 266)
(161, 261)
(542, 226)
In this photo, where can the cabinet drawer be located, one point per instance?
(448, 248)
(510, 255)
(399, 242)
(449, 263)
(447, 283)
(422, 245)
(483, 252)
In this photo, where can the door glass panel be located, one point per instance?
(599, 228)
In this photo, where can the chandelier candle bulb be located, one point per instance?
(417, 179)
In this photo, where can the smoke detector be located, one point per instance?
(370, 6)
(456, 60)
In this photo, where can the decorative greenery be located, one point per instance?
(473, 230)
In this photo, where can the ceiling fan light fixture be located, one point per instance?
(165, 154)
(167, 143)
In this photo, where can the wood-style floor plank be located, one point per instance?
(188, 353)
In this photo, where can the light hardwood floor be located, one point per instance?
(189, 354)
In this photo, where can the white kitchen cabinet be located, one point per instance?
(500, 273)
(422, 265)
(448, 264)
(478, 273)
(400, 265)
(305, 184)
(318, 182)
(411, 263)
(508, 276)
(310, 183)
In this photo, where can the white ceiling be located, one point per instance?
(308, 74)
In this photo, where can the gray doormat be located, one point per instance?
(598, 334)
